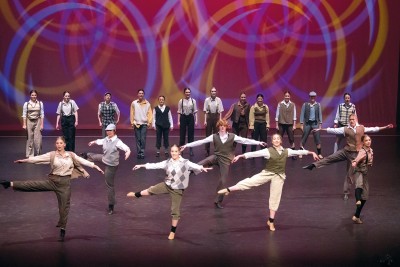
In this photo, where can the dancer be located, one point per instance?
(110, 158)
(108, 113)
(259, 120)
(187, 118)
(141, 118)
(239, 115)
(224, 145)
(33, 116)
(64, 167)
(311, 118)
(353, 133)
(176, 181)
(273, 172)
(162, 122)
(361, 164)
(67, 110)
(286, 119)
(343, 112)
(213, 109)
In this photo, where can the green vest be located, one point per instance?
(276, 163)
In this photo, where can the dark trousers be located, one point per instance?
(340, 155)
(109, 175)
(68, 129)
(259, 133)
(140, 135)
(224, 167)
(162, 133)
(59, 185)
(241, 129)
(186, 121)
(211, 127)
(307, 128)
(288, 128)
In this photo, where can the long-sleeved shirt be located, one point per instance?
(140, 113)
(62, 166)
(223, 138)
(120, 145)
(177, 171)
(265, 153)
(340, 130)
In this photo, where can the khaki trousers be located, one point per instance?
(34, 135)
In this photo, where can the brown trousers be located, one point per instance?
(61, 185)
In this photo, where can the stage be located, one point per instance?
(313, 224)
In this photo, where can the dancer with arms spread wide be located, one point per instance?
(273, 172)
(176, 181)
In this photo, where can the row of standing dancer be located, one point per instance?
(245, 117)
(66, 165)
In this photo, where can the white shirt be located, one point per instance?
(120, 145)
(224, 138)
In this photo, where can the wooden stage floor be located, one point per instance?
(314, 226)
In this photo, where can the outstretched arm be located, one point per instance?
(138, 166)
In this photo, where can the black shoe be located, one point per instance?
(309, 167)
(110, 209)
(6, 184)
(83, 155)
(62, 235)
(157, 154)
(218, 205)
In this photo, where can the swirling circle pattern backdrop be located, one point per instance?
(94, 46)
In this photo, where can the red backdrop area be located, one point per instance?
(267, 47)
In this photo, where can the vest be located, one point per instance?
(33, 113)
(162, 117)
(345, 112)
(224, 151)
(78, 169)
(353, 139)
(110, 152)
(276, 163)
(363, 165)
(237, 110)
(286, 114)
(307, 112)
(260, 113)
(107, 113)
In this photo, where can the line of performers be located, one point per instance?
(66, 165)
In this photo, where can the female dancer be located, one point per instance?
(259, 120)
(273, 172)
(110, 158)
(67, 110)
(64, 166)
(33, 116)
(187, 118)
(361, 165)
(177, 179)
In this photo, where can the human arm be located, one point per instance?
(41, 159)
(152, 166)
(149, 116)
(195, 112)
(99, 115)
(267, 118)
(118, 113)
(154, 118)
(230, 111)
(41, 115)
(206, 140)
(377, 128)
(247, 141)
(197, 167)
(57, 122)
(75, 107)
(294, 117)
(259, 153)
(251, 118)
(122, 146)
(277, 117)
(171, 121)
(303, 152)
(360, 156)
(336, 120)
(132, 114)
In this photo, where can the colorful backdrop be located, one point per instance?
(90, 47)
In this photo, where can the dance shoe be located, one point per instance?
(6, 184)
(62, 235)
(356, 220)
(171, 236)
(345, 196)
(131, 194)
(358, 203)
(110, 209)
(271, 226)
(224, 191)
(320, 156)
(309, 167)
(218, 205)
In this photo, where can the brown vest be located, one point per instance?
(276, 163)
(286, 114)
(353, 139)
(224, 151)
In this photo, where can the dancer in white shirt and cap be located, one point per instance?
(110, 158)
